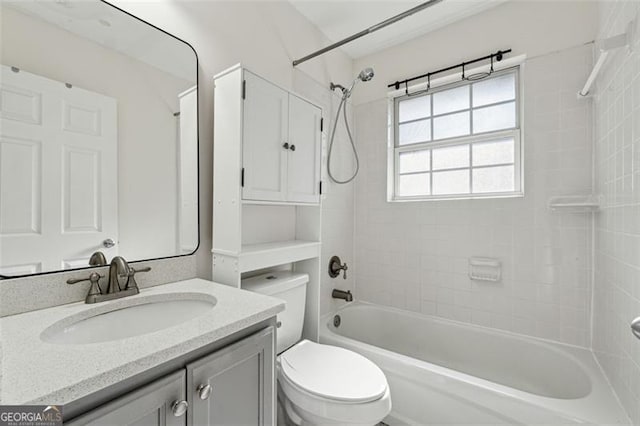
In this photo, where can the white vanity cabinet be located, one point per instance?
(279, 135)
(234, 385)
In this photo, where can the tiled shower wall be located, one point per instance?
(617, 225)
(414, 255)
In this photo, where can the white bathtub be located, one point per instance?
(445, 372)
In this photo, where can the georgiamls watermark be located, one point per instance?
(30, 415)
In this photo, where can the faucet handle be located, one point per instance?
(131, 279)
(94, 289)
(93, 277)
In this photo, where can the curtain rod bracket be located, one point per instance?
(606, 46)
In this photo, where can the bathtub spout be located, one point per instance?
(341, 294)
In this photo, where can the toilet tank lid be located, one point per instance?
(275, 282)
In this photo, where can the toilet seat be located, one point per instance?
(320, 384)
(333, 373)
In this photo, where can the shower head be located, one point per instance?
(366, 74)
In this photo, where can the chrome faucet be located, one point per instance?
(119, 268)
(341, 294)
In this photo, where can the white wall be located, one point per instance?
(414, 255)
(266, 37)
(533, 27)
(617, 225)
(147, 99)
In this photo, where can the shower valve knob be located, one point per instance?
(335, 266)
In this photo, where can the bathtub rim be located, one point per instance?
(600, 392)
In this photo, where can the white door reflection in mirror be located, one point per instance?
(58, 154)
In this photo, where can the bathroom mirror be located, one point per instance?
(98, 138)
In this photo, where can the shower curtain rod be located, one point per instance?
(498, 55)
(369, 30)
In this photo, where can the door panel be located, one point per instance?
(81, 197)
(303, 177)
(147, 406)
(264, 133)
(20, 166)
(243, 384)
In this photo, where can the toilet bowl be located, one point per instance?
(322, 385)
(319, 384)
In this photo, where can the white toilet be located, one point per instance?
(319, 384)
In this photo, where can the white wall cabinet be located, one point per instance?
(265, 131)
(266, 183)
(281, 144)
(241, 380)
(305, 146)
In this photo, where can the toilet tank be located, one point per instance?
(290, 287)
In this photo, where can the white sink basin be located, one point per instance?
(147, 316)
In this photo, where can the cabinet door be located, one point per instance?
(150, 405)
(303, 174)
(242, 381)
(264, 157)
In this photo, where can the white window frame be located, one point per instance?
(394, 149)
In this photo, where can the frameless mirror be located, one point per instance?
(98, 138)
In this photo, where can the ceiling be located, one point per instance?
(338, 19)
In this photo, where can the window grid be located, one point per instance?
(470, 168)
(469, 139)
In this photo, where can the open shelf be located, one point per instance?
(575, 203)
(259, 256)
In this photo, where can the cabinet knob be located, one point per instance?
(178, 408)
(204, 391)
(108, 243)
(293, 147)
(285, 145)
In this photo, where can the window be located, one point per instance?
(458, 141)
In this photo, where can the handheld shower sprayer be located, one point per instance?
(364, 76)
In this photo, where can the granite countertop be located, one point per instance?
(36, 372)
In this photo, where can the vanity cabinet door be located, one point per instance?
(303, 164)
(265, 133)
(151, 405)
(241, 380)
